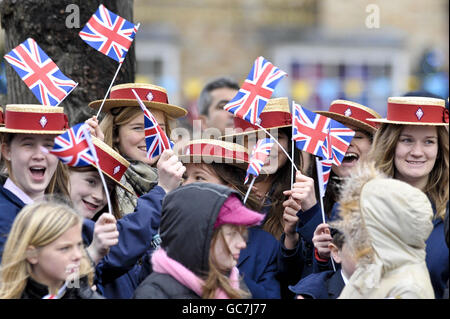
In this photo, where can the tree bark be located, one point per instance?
(45, 22)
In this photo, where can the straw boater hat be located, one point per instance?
(111, 163)
(276, 114)
(217, 151)
(415, 110)
(34, 119)
(154, 97)
(347, 112)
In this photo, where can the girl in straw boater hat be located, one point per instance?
(31, 172)
(123, 129)
(275, 180)
(225, 163)
(44, 256)
(412, 145)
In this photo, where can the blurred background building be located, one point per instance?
(360, 50)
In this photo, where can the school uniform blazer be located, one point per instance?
(323, 285)
(258, 264)
(123, 268)
(10, 206)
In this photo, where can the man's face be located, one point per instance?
(217, 116)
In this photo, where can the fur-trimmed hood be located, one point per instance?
(385, 222)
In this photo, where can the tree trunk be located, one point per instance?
(46, 22)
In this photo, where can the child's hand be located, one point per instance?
(94, 128)
(170, 171)
(105, 236)
(321, 239)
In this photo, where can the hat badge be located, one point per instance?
(419, 113)
(348, 112)
(116, 169)
(149, 96)
(43, 121)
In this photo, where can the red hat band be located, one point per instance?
(205, 149)
(353, 112)
(148, 95)
(417, 113)
(32, 121)
(110, 165)
(268, 120)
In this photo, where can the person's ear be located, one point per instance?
(6, 151)
(335, 253)
(32, 255)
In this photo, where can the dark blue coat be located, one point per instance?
(120, 272)
(10, 206)
(258, 264)
(323, 285)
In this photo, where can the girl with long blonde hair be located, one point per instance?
(44, 255)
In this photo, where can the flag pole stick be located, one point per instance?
(249, 188)
(114, 78)
(109, 89)
(276, 141)
(319, 176)
(94, 153)
(292, 149)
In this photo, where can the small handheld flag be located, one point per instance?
(155, 137)
(256, 90)
(259, 154)
(40, 73)
(310, 131)
(72, 147)
(109, 33)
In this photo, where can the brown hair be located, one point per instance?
(216, 279)
(119, 116)
(383, 151)
(112, 191)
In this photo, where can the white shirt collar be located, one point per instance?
(13, 188)
(344, 278)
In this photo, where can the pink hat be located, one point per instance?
(234, 212)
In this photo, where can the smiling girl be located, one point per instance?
(412, 145)
(31, 172)
(123, 128)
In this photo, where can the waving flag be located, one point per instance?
(256, 90)
(109, 33)
(155, 137)
(40, 73)
(259, 154)
(323, 171)
(72, 147)
(340, 138)
(311, 132)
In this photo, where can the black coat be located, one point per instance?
(187, 220)
(35, 290)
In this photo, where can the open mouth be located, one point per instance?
(90, 206)
(350, 158)
(418, 163)
(143, 148)
(37, 172)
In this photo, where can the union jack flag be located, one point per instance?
(72, 147)
(256, 90)
(311, 132)
(340, 137)
(156, 139)
(323, 171)
(40, 73)
(259, 154)
(109, 33)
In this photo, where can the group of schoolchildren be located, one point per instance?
(178, 227)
